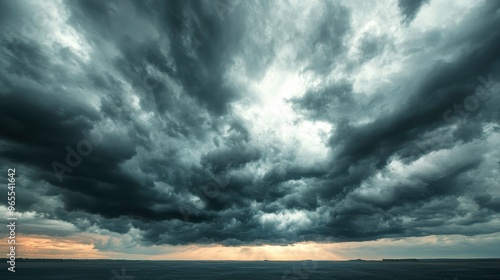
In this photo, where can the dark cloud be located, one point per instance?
(159, 120)
(410, 8)
(371, 46)
(331, 103)
(326, 46)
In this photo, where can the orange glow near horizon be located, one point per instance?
(79, 247)
(299, 251)
(85, 246)
(52, 247)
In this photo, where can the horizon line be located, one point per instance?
(261, 260)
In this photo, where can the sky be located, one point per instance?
(248, 130)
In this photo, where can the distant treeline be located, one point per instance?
(399, 260)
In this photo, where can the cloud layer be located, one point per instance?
(199, 122)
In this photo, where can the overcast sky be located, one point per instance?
(352, 128)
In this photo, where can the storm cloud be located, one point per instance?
(252, 122)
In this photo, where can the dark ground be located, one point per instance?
(138, 270)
